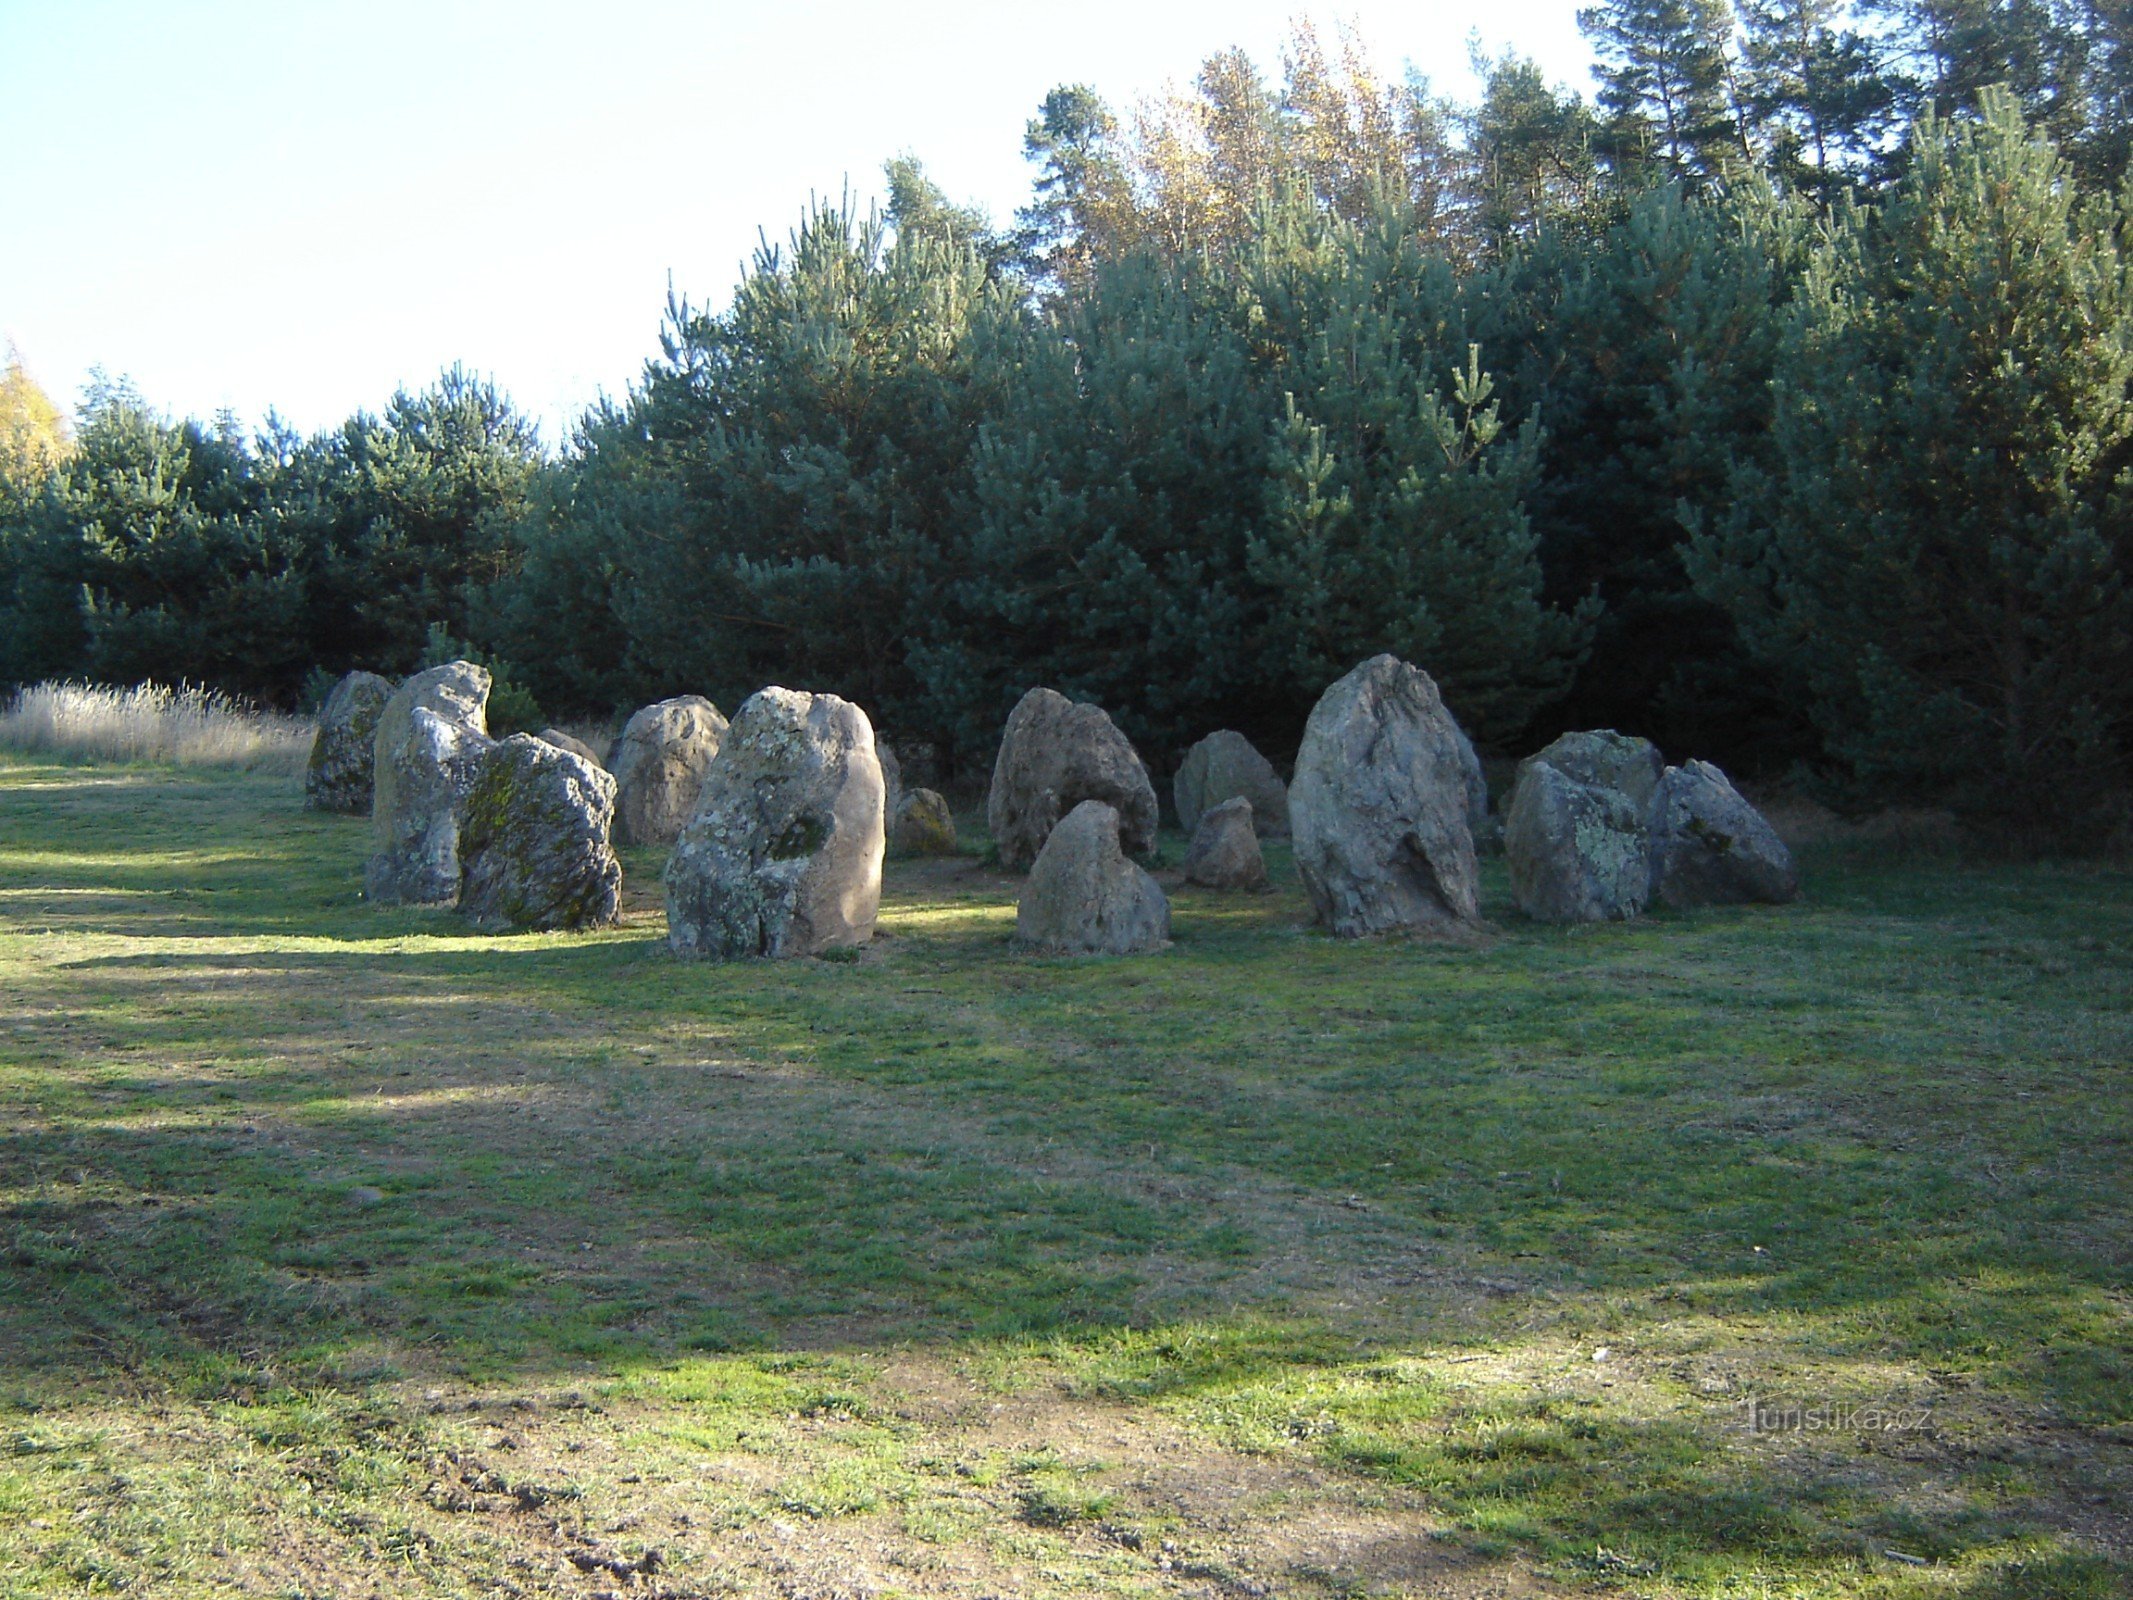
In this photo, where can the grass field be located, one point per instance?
(343, 1252)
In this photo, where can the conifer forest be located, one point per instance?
(1774, 403)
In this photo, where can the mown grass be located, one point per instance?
(345, 1250)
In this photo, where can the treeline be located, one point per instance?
(1776, 406)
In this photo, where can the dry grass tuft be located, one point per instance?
(188, 727)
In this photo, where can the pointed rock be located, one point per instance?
(659, 765)
(783, 855)
(1084, 896)
(1378, 807)
(431, 738)
(1711, 847)
(344, 755)
(1054, 754)
(1224, 766)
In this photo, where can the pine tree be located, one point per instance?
(1938, 546)
(1531, 166)
(1667, 83)
(799, 460)
(1394, 512)
(1957, 49)
(1818, 94)
(1646, 353)
(1112, 489)
(152, 553)
(1081, 208)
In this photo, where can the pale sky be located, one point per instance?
(304, 205)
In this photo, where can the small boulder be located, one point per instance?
(1711, 847)
(1084, 896)
(1379, 804)
(1577, 851)
(431, 738)
(1054, 754)
(1224, 853)
(924, 825)
(533, 845)
(1224, 766)
(576, 746)
(344, 755)
(659, 764)
(783, 854)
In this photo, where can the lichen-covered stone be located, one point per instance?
(576, 746)
(1224, 853)
(533, 840)
(1054, 754)
(1577, 851)
(1378, 807)
(659, 764)
(783, 854)
(431, 738)
(1618, 761)
(924, 825)
(1224, 766)
(1083, 896)
(344, 755)
(1711, 847)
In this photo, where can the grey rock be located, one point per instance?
(659, 764)
(1378, 807)
(924, 825)
(344, 755)
(1054, 754)
(1084, 896)
(1612, 760)
(431, 738)
(1577, 851)
(1224, 766)
(892, 779)
(783, 854)
(576, 746)
(1224, 853)
(533, 840)
(1711, 847)
(1486, 829)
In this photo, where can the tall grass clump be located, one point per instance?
(185, 726)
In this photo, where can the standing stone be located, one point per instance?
(1224, 853)
(924, 825)
(659, 765)
(1222, 767)
(1577, 851)
(783, 854)
(1054, 754)
(1379, 806)
(431, 738)
(576, 746)
(1710, 847)
(344, 755)
(1083, 895)
(1487, 831)
(892, 780)
(533, 846)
